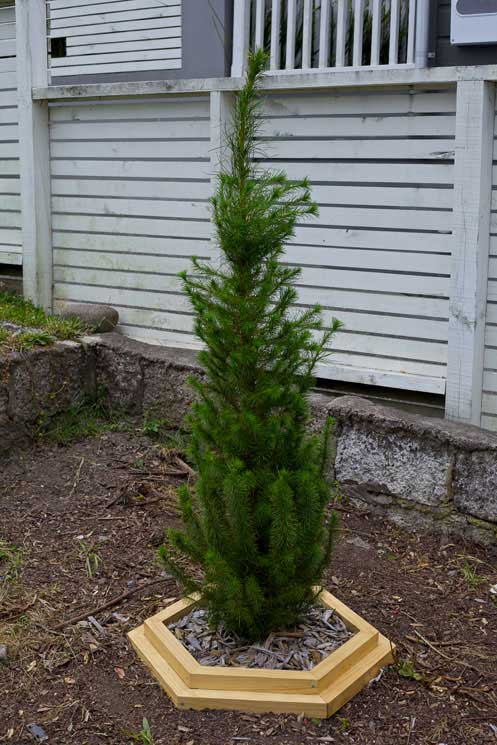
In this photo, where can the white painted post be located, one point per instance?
(221, 110)
(411, 33)
(241, 37)
(260, 20)
(358, 32)
(307, 34)
(376, 31)
(291, 27)
(341, 31)
(275, 35)
(468, 294)
(422, 32)
(34, 151)
(393, 49)
(324, 34)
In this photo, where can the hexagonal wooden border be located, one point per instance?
(319, 692)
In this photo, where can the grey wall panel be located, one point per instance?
(447, 54)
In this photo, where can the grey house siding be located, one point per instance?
(443, 52)
(206, 46)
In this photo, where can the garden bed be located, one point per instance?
(81, 524)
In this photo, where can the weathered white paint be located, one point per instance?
(241, 32)
(10, 202)
(34, 151)
(472, 197)
(116, 36)
(324, 33)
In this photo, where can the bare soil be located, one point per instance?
(99, 508)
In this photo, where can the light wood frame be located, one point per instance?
(319, 692)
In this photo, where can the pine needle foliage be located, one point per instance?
(255, 520)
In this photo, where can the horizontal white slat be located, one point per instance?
(316, 235)
(490, 381)
(372, 323)
(9, 167)
(354, 300)
(114, 6)
(360, 259)
(8, 78)
(121, 262)
(9, 202)
(98, 42)
(378, 196)
(9, 236)
(132, 110)
(109, 29)
(365, 103)
(89, 19)
(7, 31)
(172, 41)
(9, 150)
(370, 376)
(490, 423)
(156, 336)
(129, 130)
(8, 13)
(200, 190)
(122, 297)
(118, 279)
(10, 186)
(117, 57)
(414, 173)
(176, 246)
(428, 149)
(8, 116)
(10, 219)
(375, 281)
(489, 404)
(388, 363)
(8, 256)
(8, 48)
(131, 207)
(117, 67)
(192, 149)
(394, 219)
(132, 226)
(8, 65)
(360, 126)
(130, 168)
(64, 4)
(8, 98)
(9, 133)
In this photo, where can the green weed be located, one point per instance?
(91, 558)
(50, 328)
(470, 575)
(144, 736)
(155, 427)
(406, 669)
(10, 561)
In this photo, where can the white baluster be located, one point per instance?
(275, 34)
(324, 33)
(358, 32)
(341, 33)
(290, 34)
(376, 32)
(393, 53)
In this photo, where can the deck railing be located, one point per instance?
(331, 34)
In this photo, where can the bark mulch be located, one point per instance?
(87, 519)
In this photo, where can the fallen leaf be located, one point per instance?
(119, 672)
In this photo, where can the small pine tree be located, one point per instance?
(255, 520)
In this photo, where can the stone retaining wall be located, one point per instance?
(420, 472)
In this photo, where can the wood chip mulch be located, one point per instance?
(103, 504)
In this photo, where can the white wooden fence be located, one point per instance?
(116, 179)
(10, 218)
(117, 36)
(331, 34)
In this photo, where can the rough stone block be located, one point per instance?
(475, 484)
(386, 463)
(120, 374)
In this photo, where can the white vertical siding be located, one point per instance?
(10, 217)
(130, 184)
(378, 257)
(115, 36)
(489, 396)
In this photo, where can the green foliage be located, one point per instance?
(144, 736)
(10, 561)
(91, 559)
(43, 329)
(86, 418)
(406, 669)
(255, 522)
(470, 575)
(155, 427)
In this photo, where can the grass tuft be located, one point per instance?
(43, 329)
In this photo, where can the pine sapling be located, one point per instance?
(255, 522)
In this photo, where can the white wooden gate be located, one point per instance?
(10, 222)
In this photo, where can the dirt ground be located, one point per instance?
(87, 519)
